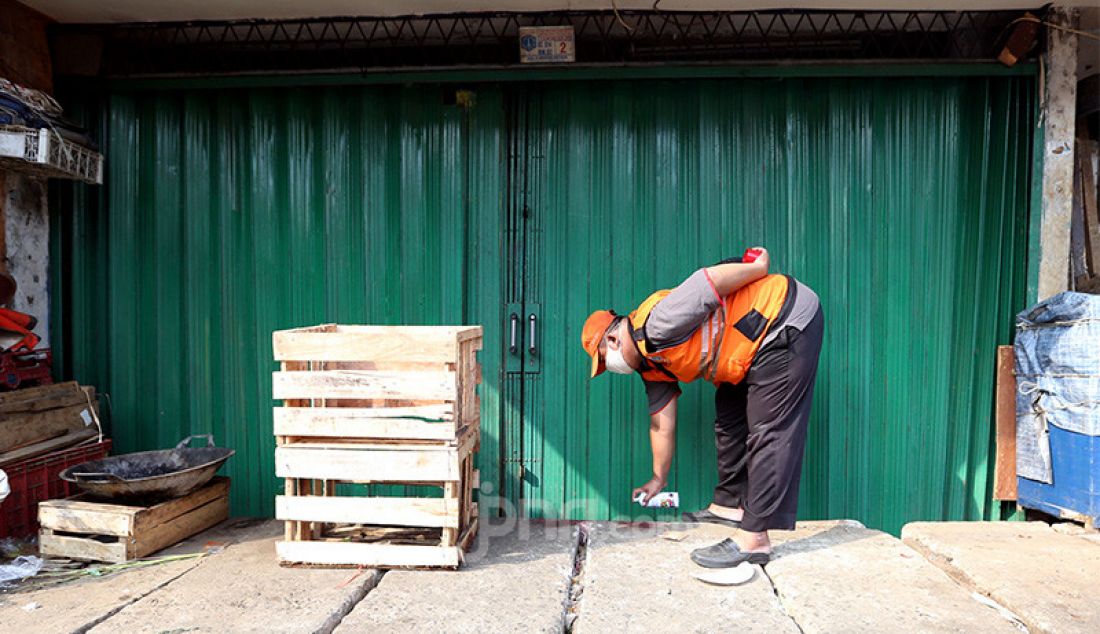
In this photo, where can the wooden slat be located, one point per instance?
(290, 528)
(355, 554)
(87, 517)
(431, 512)
(461, 333)
(437, 411)
(451, 492)
(428, 346)
(181, 527)
(43, 397)
(1004, 475)
(71, 439)
(430, 386)
(468, 534)
(1083, 158)
(367, 464)
(301, 528)
(167, 512)
(315, 525)
(359, 422)
(81, 548)
(27, 429)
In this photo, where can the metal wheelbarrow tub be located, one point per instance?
(146, 475)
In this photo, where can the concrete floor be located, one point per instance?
(590, 577)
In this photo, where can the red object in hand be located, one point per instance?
(751, 255)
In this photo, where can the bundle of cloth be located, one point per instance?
(31, 108)
(16, 328)
(16, 331)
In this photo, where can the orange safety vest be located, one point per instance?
(722, 348)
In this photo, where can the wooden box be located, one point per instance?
(376, 405)
(77, 528)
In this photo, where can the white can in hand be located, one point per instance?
(663, 500)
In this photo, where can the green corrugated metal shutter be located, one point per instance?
(903, 202)
(232, 214)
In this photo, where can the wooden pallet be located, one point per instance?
(376, 405)
(77, 528)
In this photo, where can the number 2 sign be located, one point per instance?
(546, 45)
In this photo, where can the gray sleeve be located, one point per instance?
(660, 393)
(682, 311)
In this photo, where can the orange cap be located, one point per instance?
(592, 334)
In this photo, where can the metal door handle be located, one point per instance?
(515, 326)
(531, 341)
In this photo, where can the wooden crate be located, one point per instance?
(77, 528)
(376, 405)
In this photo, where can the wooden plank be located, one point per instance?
(439, 465)
(43, 397)
(386, 444)
(469, 534)
(80, 548)
(375, 555)
(301, 528)
(430, 512)
(290, 489)
(431, 386)
(451, 492)
(435, 411)
(168, 511)
(180, 528)
(1083, 157)
(461, 333)
(359, 422)
(27, 429)
(304, 329)
(430, 412)
(379, 347)
(87, 517)
(72, 439)
(1004, 475)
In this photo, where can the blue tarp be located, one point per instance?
(1057, 376)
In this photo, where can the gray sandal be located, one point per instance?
(726, 554)
(706, 516)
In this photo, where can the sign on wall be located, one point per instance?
(546, 45)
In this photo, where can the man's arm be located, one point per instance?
(662, 439)
(727, 278)
(679, 314)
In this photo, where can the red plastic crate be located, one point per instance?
(35, 480)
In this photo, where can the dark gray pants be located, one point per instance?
(760, 430)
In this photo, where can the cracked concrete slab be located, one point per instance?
(1046, 577)
(75, 606)
(637, 581)
(837, 576)
(243, 589)
(514, 580)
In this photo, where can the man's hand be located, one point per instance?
(727, 278)
(649, 489)
(762, 260)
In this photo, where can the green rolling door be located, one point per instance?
(903, 202)
(229, 214)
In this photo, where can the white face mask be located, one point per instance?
(615, 362)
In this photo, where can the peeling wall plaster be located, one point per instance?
(27, 228)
